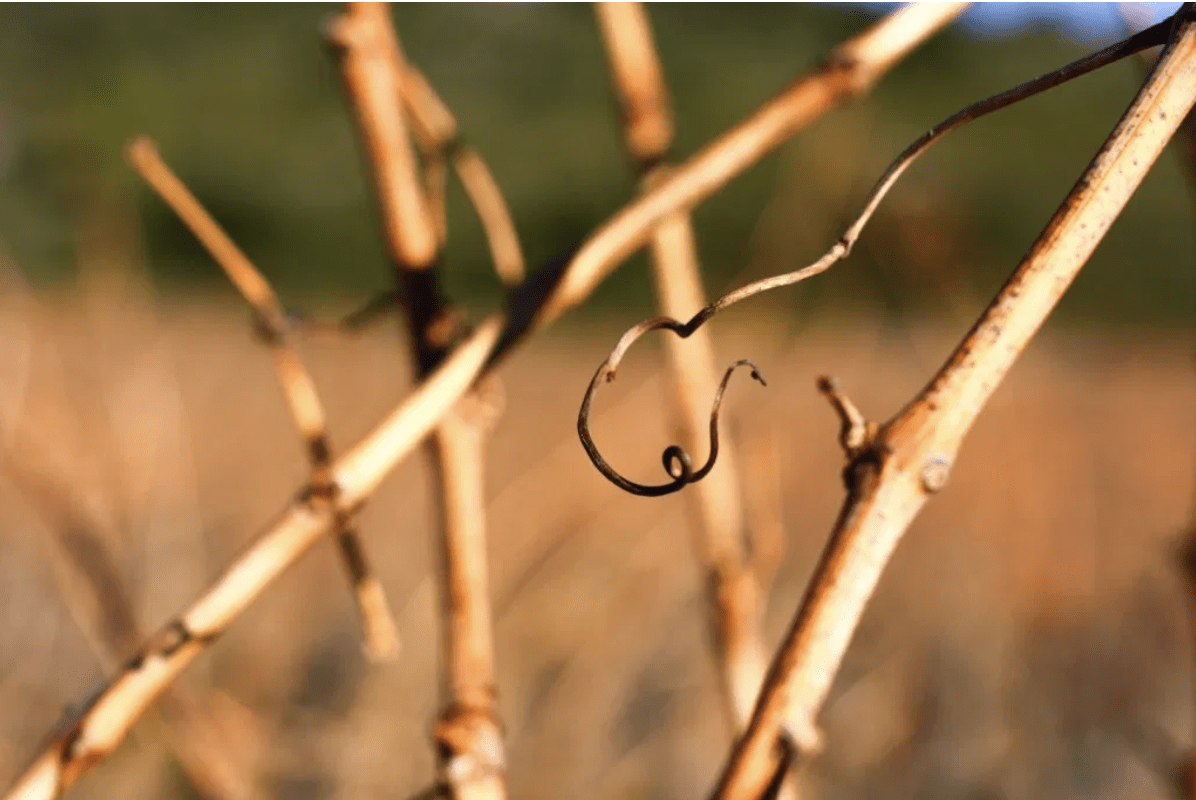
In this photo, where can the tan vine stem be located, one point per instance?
(107, 716)
(381, 633)
(1155, 747)
(468, 734)
(98, 600)
(734, 591)
(892, 473)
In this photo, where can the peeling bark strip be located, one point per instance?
(535, 303)
(470, 752)
(888, 476)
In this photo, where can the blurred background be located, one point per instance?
(1033, 636)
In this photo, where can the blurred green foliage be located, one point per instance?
(246, 104)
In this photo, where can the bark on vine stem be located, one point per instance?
(892, 474)
(468, 736)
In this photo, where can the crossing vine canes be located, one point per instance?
(107, 718)
(100, 724)
(468, 734)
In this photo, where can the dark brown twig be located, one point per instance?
(377, 308)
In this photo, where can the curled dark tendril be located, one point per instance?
(677, 462)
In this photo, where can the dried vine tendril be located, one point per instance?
(676, 460)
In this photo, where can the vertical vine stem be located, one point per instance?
(103, 721)
(468, 734)
(891, 476)
(734, 591)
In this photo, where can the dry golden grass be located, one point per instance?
(1032, 621)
